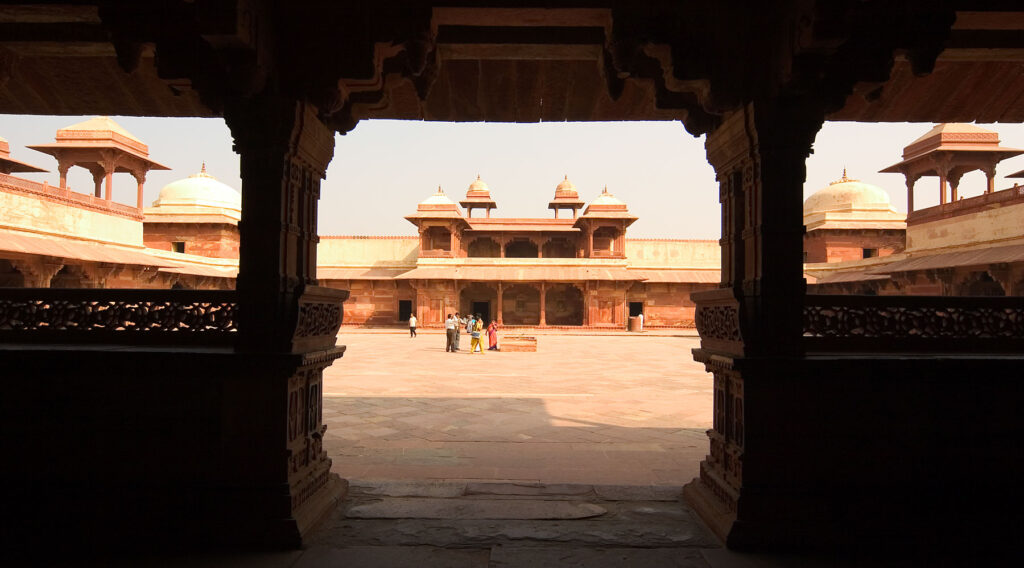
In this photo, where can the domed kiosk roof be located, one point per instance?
(437, 206)
(478, 196)
(198, 194)
(846, 193)
(566, 196)
(850, 203)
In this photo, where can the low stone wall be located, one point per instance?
(517, 343)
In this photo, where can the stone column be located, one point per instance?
(543, 304)
(287, 325)
(911, 180)
(990, 177)
(140, 179)
(96, 275)
(501, 303)
(752, 325)
(954, 184)
(63, 165)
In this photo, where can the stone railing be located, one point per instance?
(1011, 196)
(67, 197)
(913, 324)
(717, 319)
(318, 318)
(115, 316)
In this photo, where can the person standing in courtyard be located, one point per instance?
(492, 336)
(459, 322)
(477, 324)
(450, 327)
(412, 325)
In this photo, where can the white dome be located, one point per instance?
(438, 198)
(199, 190)
(607, 198)
(847, 194)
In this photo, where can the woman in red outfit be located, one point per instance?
(492, 336)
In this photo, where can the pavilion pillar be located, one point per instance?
(990, 178)
(942, 187)
(276, 468)
(751, 327)
(543, 304)
(501, 303)
(63, 165)
(954, 184)
(911, 180)
(97, 180)
(140, 179)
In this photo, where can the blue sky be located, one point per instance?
(382, 169)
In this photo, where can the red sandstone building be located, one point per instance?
(856, 243)
(576, 268)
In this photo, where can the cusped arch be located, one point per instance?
(483, 247)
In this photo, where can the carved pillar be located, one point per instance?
(97, 182)
(501, 303)
(911, 180)
(286, 323)
(990, 178)
(140, 179)
(755, 318)
(63, 165)
(109, 167)
(954, 183)
(543, 304)
(452, 240)
(37, 273)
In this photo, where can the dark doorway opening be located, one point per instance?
(484, 309)
(404, 310)
(635, 309)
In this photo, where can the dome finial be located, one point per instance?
(605, 192)
(203, 169)
(843, 179)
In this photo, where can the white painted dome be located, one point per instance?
(438, 198)
(847, 194)
(199, 190)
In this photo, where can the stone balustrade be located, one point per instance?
(116, 316)
(66, 196)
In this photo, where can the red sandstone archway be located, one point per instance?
(521, 305)
(473, 295)
(563, 305)
(483, 247)
(521, 249)
(559, 247)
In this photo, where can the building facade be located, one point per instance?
(577, 268)
(964, 246)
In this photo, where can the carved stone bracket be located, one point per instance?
(319, 316)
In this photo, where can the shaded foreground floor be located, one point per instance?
(588, 409)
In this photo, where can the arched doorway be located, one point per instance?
(479, 298)
(981, 284)
(563, 305)
(559, 247)
(521, 248)
(521, 305)
(483, 247)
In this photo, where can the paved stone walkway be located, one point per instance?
(598, 409)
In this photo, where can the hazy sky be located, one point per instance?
(382, 169)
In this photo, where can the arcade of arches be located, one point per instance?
(834, 422)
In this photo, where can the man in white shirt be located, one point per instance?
(450, 327)
(412, 325)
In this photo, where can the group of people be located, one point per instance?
(474, 326)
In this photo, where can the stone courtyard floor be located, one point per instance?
(594, 409)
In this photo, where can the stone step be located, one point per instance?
(459, 509)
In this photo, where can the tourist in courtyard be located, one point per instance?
(450, 327)
(477, 324)
(459, 323)
(492, 336)
(412, 325)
